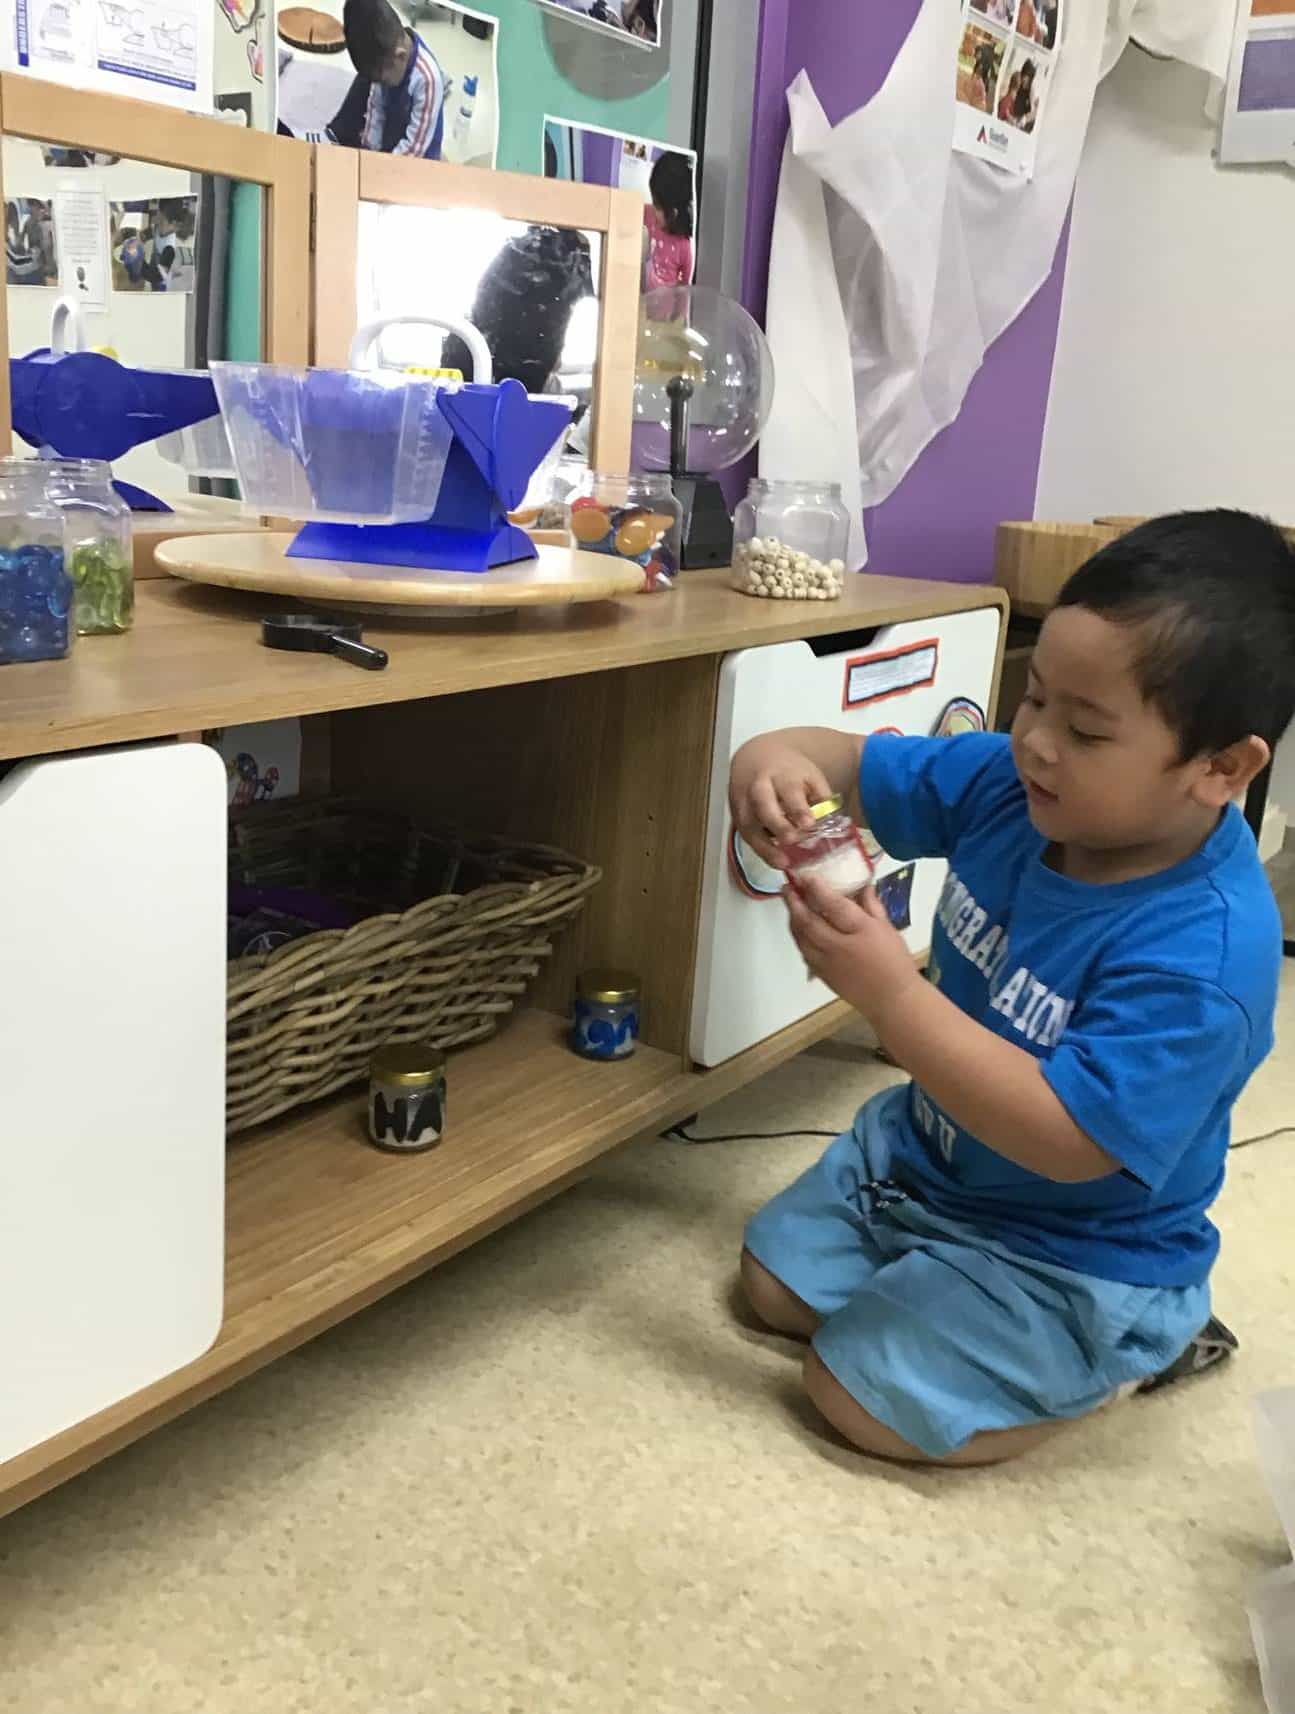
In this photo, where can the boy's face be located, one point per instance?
(1100, 764)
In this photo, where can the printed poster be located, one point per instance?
(1259, 108)
(81, 223)
(156, 50)
(1007, 57)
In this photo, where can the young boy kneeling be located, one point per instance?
(1020, 1232)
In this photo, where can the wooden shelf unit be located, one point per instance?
(590, 729)
(319, 1225)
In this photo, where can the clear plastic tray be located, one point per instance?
(336, 444)
(1275, 1432)
(1272, 1624)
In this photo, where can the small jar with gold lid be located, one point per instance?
(606, 1020)
(407, 1097)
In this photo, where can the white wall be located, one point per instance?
(1174, 379)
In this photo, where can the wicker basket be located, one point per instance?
(304, 1019)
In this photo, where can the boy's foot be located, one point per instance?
(1213, 1344)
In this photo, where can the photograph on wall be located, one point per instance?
(638, 21)
(244, 61)
(1007, 55)
(1259, 104)
(30, 253)
(151, 52)
(151, 244)
(665, 178)
(413, 77)
(55, 156)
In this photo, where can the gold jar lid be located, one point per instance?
(608, 987)
(829, 806)
(409, 1065)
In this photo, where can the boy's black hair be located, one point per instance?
(1214, 596)
(374, 36)
(671, 185)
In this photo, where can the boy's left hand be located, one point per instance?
(852, 946)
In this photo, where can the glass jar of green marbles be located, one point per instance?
(35, 589)
(97, 546)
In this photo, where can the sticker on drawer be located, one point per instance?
(891, 672)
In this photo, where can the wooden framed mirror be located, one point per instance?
(191, 241)
(548, 269)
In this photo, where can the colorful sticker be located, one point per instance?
(894, 672)
(757, 879)
(896, 892)
(960, 715)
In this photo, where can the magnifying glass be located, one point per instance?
(322, 636)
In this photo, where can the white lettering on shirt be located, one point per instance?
(1034, 1010)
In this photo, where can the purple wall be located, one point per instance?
(940, 521)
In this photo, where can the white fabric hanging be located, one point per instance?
(896, 262)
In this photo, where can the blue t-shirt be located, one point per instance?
(1149, 1002)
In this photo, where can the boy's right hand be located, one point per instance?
(771, 787)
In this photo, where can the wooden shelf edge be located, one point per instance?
(260, 1332)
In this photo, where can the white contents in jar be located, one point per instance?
(845, 869)
(766, 566)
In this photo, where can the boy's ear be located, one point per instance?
(1228, 773)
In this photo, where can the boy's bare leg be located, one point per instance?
(863, 1431)
(776, 1305)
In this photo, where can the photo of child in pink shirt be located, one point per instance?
(668, 224)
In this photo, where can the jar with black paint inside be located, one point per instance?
(407, 1097)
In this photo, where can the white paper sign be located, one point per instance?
(1007, 58)
(81, 239)
(158, 52)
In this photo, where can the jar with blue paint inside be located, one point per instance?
(35, 586)
(606, 1018)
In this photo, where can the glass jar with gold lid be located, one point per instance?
(407, 1097)
(605, 1024)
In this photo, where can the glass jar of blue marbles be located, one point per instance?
(35, 588)
(606, 1020)
(634, 517)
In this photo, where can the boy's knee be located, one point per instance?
(847, 1416)
(776, 1305)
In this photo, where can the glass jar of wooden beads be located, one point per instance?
(634, 517)
(789, 539)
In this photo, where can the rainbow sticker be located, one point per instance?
(959, 716)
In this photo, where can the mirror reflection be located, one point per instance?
(531, 290)
(163, 267)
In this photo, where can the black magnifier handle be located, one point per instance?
(359, 654)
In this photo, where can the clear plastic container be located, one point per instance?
(354, 447)
(201, 449)
(634, 517)
(35, 589)
(789, 539)
(97, 544)
(833, 853)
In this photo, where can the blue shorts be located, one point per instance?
(936, 1331)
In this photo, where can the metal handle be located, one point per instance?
(359, 654)
(66, 324)
(483, 368)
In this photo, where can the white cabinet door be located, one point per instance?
(112, 1047)
(750, 979)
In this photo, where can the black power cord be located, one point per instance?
(782, 1136)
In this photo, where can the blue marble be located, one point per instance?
(35, 604)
